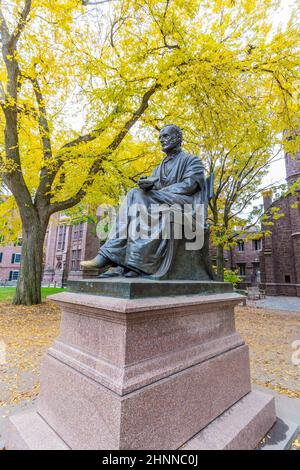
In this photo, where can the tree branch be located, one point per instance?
(85, 138)
(21, 23)
(44, 187)
(100, 2)
(2, 94)
(3, 27)
(97, 165)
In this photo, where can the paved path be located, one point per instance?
(8, 410)
(287, 304)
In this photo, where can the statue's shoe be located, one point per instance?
(131, 274)
(112, 272)
(95, 263)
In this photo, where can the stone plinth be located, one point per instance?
(141, 374)
(140, 288)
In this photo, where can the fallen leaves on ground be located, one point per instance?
(25, 334)
(269, 335)
(296, 444)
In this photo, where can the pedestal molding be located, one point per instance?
(124, 380)
(119, 305)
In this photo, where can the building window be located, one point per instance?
(241, 246)
(287, 278)
(256, 244)
(61, 237)
(75, 260)
(13, 275)
(80, 230)
(75, 232)
(1, 256)
(242, 269)
(16, 258)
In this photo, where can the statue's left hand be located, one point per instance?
(146, 183)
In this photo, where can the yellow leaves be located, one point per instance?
(7, 165)
(275, 214)
(249, 5)
(278, 216)
(3, 75)
(10, 223)
(296, 444)
(209, 57)
(269, 335)
(27, 332)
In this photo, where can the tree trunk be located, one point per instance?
(28, 290)
(220, 262)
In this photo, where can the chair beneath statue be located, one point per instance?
(183, 264)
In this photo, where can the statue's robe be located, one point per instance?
(181, 180)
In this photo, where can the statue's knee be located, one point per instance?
(136, 194)
(133, 191)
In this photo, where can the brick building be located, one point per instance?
(280, 257)
(10, 258)
(244, 257)
(65, 246)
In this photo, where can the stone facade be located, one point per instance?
(273, 262)
(65, 246)
(244, 257)
(280, 257)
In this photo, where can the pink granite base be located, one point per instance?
(240, 428)
(138, 374)
(28, 431)
(162, 415)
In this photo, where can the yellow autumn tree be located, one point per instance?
(85, 86)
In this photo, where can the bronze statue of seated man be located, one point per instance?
(178, 180)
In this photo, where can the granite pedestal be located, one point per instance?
(145, 373)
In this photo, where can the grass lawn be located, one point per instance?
(7, 293)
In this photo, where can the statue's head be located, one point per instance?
(170, 137)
